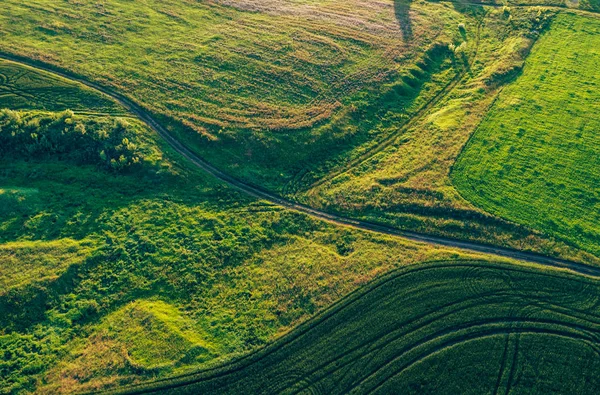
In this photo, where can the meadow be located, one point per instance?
(260, 89)
(535, 158)
(443, 327)
(376, 115)
(113, 275)
(408, 183)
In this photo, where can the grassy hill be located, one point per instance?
(119, 271)
(376, 115)
(535, 158)
(249, 81)
(121, 263)
(459, 327)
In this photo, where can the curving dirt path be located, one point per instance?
(260, 193)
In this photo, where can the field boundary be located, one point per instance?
(323, 316)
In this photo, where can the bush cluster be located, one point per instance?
(103, 141)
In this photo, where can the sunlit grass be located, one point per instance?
(535, 158)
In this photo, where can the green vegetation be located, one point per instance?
(116, 277)
(407, 183)
(22, 88)
(122, 263)
(535, 158)
(23, 263)
(447, 327)
(110, 143)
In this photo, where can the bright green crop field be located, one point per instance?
(535, 159)
(452, 328)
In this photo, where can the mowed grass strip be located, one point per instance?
(536, 159)
(462, 327)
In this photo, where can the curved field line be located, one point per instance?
(502, 365)
(385, 341)
(483, 325)
(261, 193)
(515, 359)
(483, 335)
(321, 318)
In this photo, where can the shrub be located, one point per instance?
(104, 141)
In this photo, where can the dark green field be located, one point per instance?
(460, 327)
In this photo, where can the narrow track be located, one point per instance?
(260, 193)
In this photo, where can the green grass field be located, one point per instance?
(22, 88)
(249, 80)
(447, 327)
(535, 158)
(408, 183)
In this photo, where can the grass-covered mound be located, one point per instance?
(447, 327)
(24, 263)
(535, 159)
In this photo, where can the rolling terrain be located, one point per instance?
(96, 250)
(248, 83)
(298, 196)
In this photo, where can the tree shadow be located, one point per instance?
(402, 11)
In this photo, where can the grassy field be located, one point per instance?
(408, 183)
(445, 327)
(121, 264)
(22, 88)
(535, 158)
(234, 83)
(117, 274)
(262, 88)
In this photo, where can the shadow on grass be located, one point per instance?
(402, 11)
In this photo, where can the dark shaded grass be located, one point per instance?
(393, 335)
